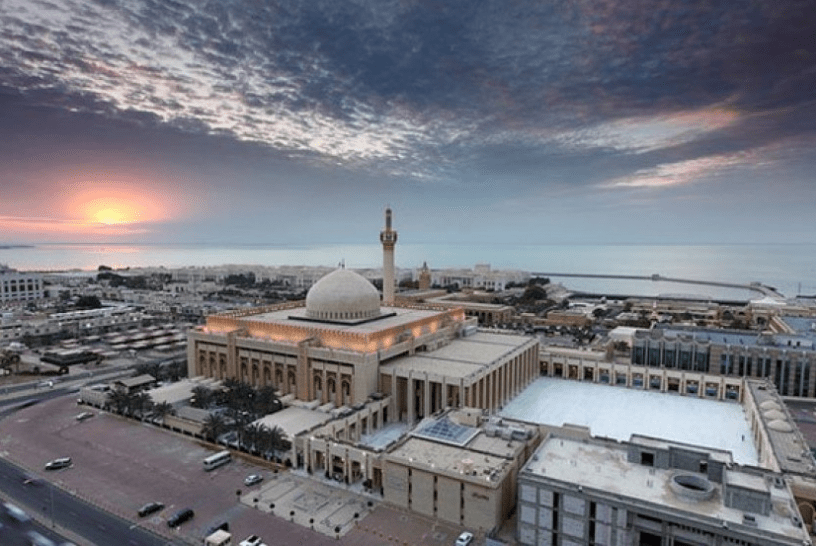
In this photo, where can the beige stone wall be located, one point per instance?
(482, 507)
(449, 500)
(182, 425)
(395, 486)
(422, 492)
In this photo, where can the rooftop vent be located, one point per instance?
(748, 519)
(691, 487)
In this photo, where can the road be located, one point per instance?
(754, 286)
(57, 507)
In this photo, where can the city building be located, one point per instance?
(651, 492)
(342, 346)
(18, 286)
(787, 356)
(358, 375)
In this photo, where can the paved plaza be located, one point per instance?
(119, 464)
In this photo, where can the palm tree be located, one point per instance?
(230, 383)
(202, 397)
(266, 401)
(252, 437)
(214, 426)
(240, 419)
(163, 409)
(142, 403)
(119, 400)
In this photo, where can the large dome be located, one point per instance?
(342, 295)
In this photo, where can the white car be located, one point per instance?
(464, 539)
(252, 540)
(252, 479)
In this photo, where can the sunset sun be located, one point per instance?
(110, 216)
(114, 210)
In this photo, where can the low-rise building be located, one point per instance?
(651, 492)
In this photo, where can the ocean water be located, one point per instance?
(791, 269)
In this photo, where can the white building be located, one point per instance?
(19, 286)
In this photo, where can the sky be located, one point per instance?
(292, 122)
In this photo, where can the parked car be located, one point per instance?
(150, 508)
(252, 540)
(252, 479)
(180, 517)
(56, 464)
(464, 539)
(84, 415)
(224, 526)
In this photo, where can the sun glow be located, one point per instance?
(118, 205)
(113, 211)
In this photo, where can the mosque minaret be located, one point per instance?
(388, 237)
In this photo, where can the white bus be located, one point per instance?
(214, 461)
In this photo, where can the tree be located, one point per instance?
(239, 420)
(141, 403)
(252, 437)
(163, 409)
(266, 401)
(272, 440)
(119, 400)
(214, 426)
(151, 368)
(202, 397)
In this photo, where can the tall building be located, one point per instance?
(388, 238)
(425, 277)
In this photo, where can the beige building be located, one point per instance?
(365, 384)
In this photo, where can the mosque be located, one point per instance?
(410, 402)
(384, 392)
(345, 345)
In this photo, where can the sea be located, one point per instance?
(789, 268)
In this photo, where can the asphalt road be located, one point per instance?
(58, 506)
(13, 533)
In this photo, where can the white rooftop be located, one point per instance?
(294, 420)
(618, 412)
(462, 357)
(606, 468)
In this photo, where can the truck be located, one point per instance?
(218, 538)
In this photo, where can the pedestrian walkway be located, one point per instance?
(308, 502)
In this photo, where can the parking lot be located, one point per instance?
(120, 464)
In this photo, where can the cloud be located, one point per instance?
(650, 133)
(66, 227)
(682, 172)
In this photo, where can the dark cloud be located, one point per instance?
(498, 95)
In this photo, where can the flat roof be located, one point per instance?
(395, 316)
(294, 420)
(178, 391)
(787, 442)
(462, 357)
(604, 467)
(436, 457)
(619, 412)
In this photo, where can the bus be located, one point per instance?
(214, 461)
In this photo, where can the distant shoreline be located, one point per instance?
(10, 247)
